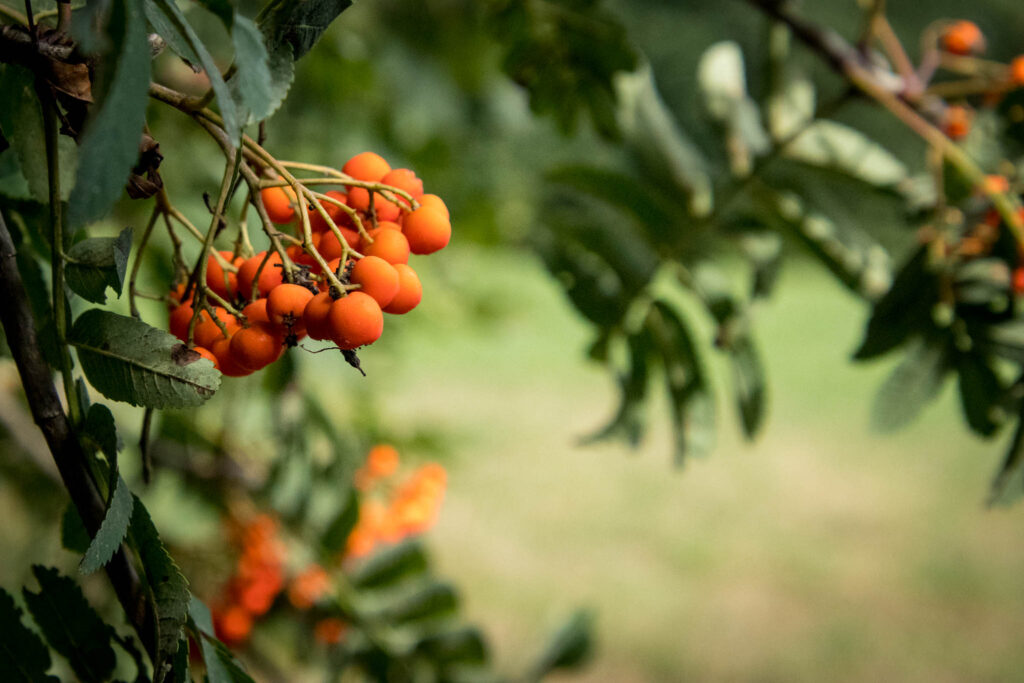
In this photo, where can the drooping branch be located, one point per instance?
(49, 415)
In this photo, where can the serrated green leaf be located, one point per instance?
(174, 22)
(99, 427)
(70, 624)
(127, 360)
(252, 85)
(73, 534)
(749, 384)
(391, 565)
(912, 385)
(162, 25)
(570, 647)
(337, 533)
(97, 263)
(171, 596)
(110, 141)
(24, 658)
(112, 530)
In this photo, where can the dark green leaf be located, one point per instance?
(390, 565)
(169, 588)
(99, 427)
(97, 263)
(23, 656)
(112, 531)
(174, 22)
(429, 601)
(980, 393)
(127, 360)
(252, 85)
(73, 535)
(175, 39)
(341, 526)
(42, 307)
(110, 143)
(462, 645)
(570, 647)
(221, 664)
(182, 672)
(914, 383)
(21, 120)
(628, 421)
(1008, 485)
(904, 310)
(749, 383)
(70, 625)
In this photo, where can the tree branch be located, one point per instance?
(49, 415)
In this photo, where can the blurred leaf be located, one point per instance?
(165, 27)
(221, 664)
(663, 151)
(430, 600)
(23, 656)
(39, 299)
(464, 645)
(13, 183)
(73, 535)
(390, 565)
(914, 383)
(1005, 340)
(337, 533)
(828, 144)
(723, 83)
(20, 113)
(182, 672)
(569, 648)
(127, 360)
(1008, 485)
(169, 588)
(764, 250)
(110, 142)
(628, 421)
(749, 383)
(112, 530)
(590, 283)
(70, 625)
(980, 392)
(97, 263)
(174, 22)
(904, 310)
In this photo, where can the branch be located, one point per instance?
(49, 415)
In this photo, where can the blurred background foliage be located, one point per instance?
(822, 551)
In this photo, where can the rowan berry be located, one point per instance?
(330, 247)
(388, 243)
(956, 122)
(432, 201)
(355, 320)
(329, 630)
(427, 230)
(963, 38)
(226, 361)
(377, 277)
(179, 321)
(285, 304)
(207, 331)
(280, 203)
(406, 180)
(256, 312)
(366, 166)
(233, 625)
(208, 355)
(256, 347)
(223, 282)
(410, 291)
(1017, 71)
(309, 586)
(314, 317)
(271, 276)
(359, 199)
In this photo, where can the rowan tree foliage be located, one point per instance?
(644, 230)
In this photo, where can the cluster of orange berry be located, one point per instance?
(963, 38)
(372, 267)
(391, 510)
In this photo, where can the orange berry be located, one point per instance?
(427, 230)
(406, 180)
(1017, 71)
(280, 203)
(1018, 280)
(226, 361)
(233, 625)
(329, 631)
(308, 587)
(367, 166)
(388, 243)
(962, 38)
(208, 331)
(256, 347)
(208, 355)
(432, 201)
(330, 247)
(179, 321)
(382, 460)
(355, 320)
(956, 122)
(996, 183)
(314, 317)
(256, 312)
(223, 282)
(176, 295)
(285, 304)
(410, 291)
(377, 277)
(271, 276)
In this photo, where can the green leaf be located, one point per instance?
(722, 81)
(39, 299)
(253, 84)
(110, 142)
(1008, 485)
(569, 648)
(337, 533)
(97, 263)
(127, 360)
(20, 113)
(904, 310)
(464, 645)
(112, 530)
(914, 383)
(73, 534)
(23, 656)
(99, 427)
(169, 588)
(829, 144)
(749, 384)
(221, 665)
(70, 625)
(175, 24)
(980, 393)
(431, 600)
(390, 566)
(175, 39)
(628, 421)
(290, 28)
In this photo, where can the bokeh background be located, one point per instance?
(820, 551)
